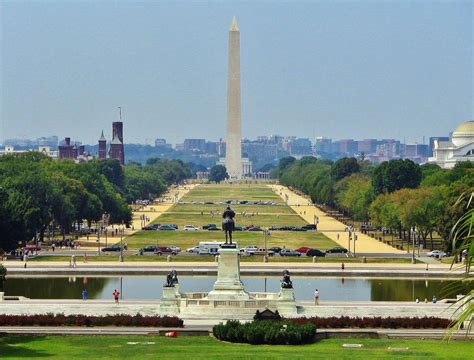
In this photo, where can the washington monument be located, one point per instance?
(233, 159)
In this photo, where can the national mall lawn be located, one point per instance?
(205, 347)
(193, 211)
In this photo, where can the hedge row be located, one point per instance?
(265, 332)
(376, 322)
(85, 320)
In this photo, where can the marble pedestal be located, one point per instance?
(228, 285)
(286, 302)
(170, 300)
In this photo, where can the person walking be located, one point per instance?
(116, 295)
(73, 260)
(434, 299)
(84, 294)
(316, 297)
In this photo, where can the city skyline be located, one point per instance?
(357, 70)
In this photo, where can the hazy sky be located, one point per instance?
(338, 69)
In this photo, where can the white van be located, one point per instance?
(210, 247)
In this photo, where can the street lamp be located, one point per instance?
(121, 246)
(413, 245)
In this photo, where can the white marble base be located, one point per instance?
(228, 285)
(170, 301)
(286, 303)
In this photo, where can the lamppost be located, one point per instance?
(413, 245)
(121, 246)
(97, 229)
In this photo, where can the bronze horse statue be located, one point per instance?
(228, 224)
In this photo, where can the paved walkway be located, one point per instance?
(150, 212)
(152, 308)
(332, 228)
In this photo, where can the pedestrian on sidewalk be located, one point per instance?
(417, 300)
(73, 260)
(116, 295)
(85, 256)
(316, 297)
(434, 299)
(84, 294)
(25, 259)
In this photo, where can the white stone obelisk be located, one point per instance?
(233, 159)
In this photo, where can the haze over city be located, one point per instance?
(345, 70)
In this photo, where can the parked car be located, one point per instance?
(337, 250)
(315, 252)
(253, 228)
(259, 251)
(160, 250)
(213, 228)
(175, 248)
(309, 227)
(436, 254)
(173, 226)
(113, 248)
(303, 249)
(206, 227)
(166, 227)
(190, 228)
(238, 228)
(286, 252)
(193, 250)
(32, 248)
(148, 248)
(248, 248)
(151, 227)
(275, 249)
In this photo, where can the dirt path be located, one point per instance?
(332, 228)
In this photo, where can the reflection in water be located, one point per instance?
(150, 287)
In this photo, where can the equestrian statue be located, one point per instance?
(228, 224)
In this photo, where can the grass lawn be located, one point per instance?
(184, 214)
(265, 220)
(187, 239)
(203, 347)
(223, 192)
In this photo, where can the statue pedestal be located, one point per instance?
(286, 302)
(228, 285)
(170, 300)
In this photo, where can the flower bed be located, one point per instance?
(85, 320)
(376, 322)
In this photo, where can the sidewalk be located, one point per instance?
(333, 229)
(151, 212)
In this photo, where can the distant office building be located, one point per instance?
(388, 149)
(323, 145)
(416, 150)
(160, 142)
(194, 145)
(347, 146)
(298, 146)
(211, 147)
(260, 150)
(367, 146)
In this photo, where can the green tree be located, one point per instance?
(344, 167)
(218, 173)
(396, 174)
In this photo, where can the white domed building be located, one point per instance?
(460, 148)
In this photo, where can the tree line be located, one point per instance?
(398, 195)
(37, 192)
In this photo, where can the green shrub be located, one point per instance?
(265, 332)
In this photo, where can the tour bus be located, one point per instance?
(210, 247)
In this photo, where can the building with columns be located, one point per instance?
(460, 147)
